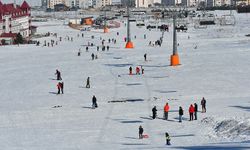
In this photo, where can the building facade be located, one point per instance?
(52, 3)
(15, 19)
(44, 3)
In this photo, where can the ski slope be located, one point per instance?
(217, 70)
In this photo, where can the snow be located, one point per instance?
(217, 70)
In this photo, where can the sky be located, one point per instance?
(31, 2)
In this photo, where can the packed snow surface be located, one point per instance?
(214, 64)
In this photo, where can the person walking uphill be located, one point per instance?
(203, 104)
(140, 132)
(191, 112)
(154, 111)
(94, 102)
(166, 109)
(180, 114)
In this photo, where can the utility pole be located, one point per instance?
(105, 27)
(129, 43)
(174, 57)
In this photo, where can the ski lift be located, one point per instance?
(228, 19)
(198, 26)
(140, 23)
(205, 19)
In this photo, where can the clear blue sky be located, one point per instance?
(31, 2)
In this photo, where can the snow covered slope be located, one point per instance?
(217, 70)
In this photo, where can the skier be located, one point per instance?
(167, 139)
(180, 114)
(203, 104)
(195, 111)
(97, 48)
(94, 103)
(88, 83)
(96, 56)
(154, 110)
(87, 49)
(107, 48)
(117, 33)
(93, 56)
(166, 109)
(145, 36)
(58, 75)
(140, 132)
(145, 57)
(58, 88)
(130, 70)
(137, 70)
(191, 112)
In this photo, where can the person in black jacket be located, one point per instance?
(154, 111)
(140, 132)
(195, 111)
(94, 103)
(180, 114)
(203, 104)
(58, 75)
(88, 83)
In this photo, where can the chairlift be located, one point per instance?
(198, 26)
(204, 19)
(227, 20)
(140, 23)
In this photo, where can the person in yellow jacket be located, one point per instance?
(167, 139)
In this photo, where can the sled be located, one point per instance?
(145, 136)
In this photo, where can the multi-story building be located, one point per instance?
(15, 19)
(142, 3)
(44, 3)
(72, 3)
(52, 3)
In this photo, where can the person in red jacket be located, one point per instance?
(191, 112)
(137, 70)
(166, 109)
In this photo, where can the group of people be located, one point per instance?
(138, 70)
(193, 109)
(59, 84)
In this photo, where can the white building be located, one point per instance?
(52, 3)
(14, 19)
(142, 3)
(101, 3)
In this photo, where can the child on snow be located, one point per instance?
(167, 139)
